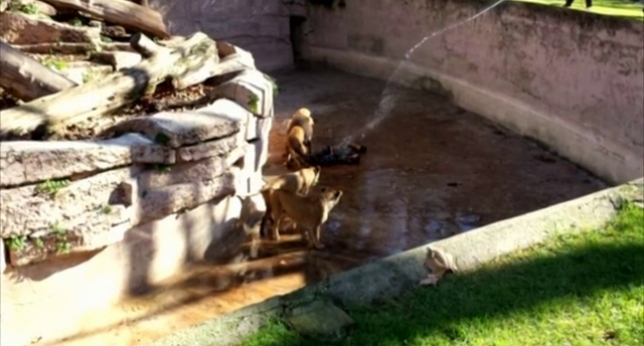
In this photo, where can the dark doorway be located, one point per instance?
(297, 37)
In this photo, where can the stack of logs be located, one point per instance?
(91, 71)
(57, 96)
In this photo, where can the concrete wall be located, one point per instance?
(572, 80)
(134, 210)
(259, 26)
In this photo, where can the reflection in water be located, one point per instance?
(467, 222)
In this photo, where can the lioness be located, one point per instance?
(309, 212)
(298, 182)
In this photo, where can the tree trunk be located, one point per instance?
(26, 78)
(178, 62)
(120, 12)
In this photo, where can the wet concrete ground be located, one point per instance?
(431, 171)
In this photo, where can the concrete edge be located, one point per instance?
(391, 276)
(608, 159)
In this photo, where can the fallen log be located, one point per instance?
(121, 12)
(77, 104)
(22, 28)
(72, 48)
(27, 79)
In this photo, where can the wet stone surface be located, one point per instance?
(431, 171)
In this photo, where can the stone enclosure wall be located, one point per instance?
(85, 223)
(259, 26)
(569, 79)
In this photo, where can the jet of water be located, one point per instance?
(388, 99)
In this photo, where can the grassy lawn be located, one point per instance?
(621, 8)
(585, 289)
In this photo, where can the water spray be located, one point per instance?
(387, 99)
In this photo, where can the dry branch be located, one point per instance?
(121, 12)
(72, 48)
(26, 78)
(181, 63)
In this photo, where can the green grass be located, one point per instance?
(584, 289)
(620, 8)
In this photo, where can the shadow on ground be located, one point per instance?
(462, 305)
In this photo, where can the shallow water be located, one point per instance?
(431, 171)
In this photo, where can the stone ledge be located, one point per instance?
(210, 148)
(92, 233)
(61, 203)
(23, 162)
(185, 128)
(39, 208)
(90, 225)
(36, 208)
(193, 171)
(250, 89)
(172, 199)
(228, 109)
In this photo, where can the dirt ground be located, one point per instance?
(431, 170)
